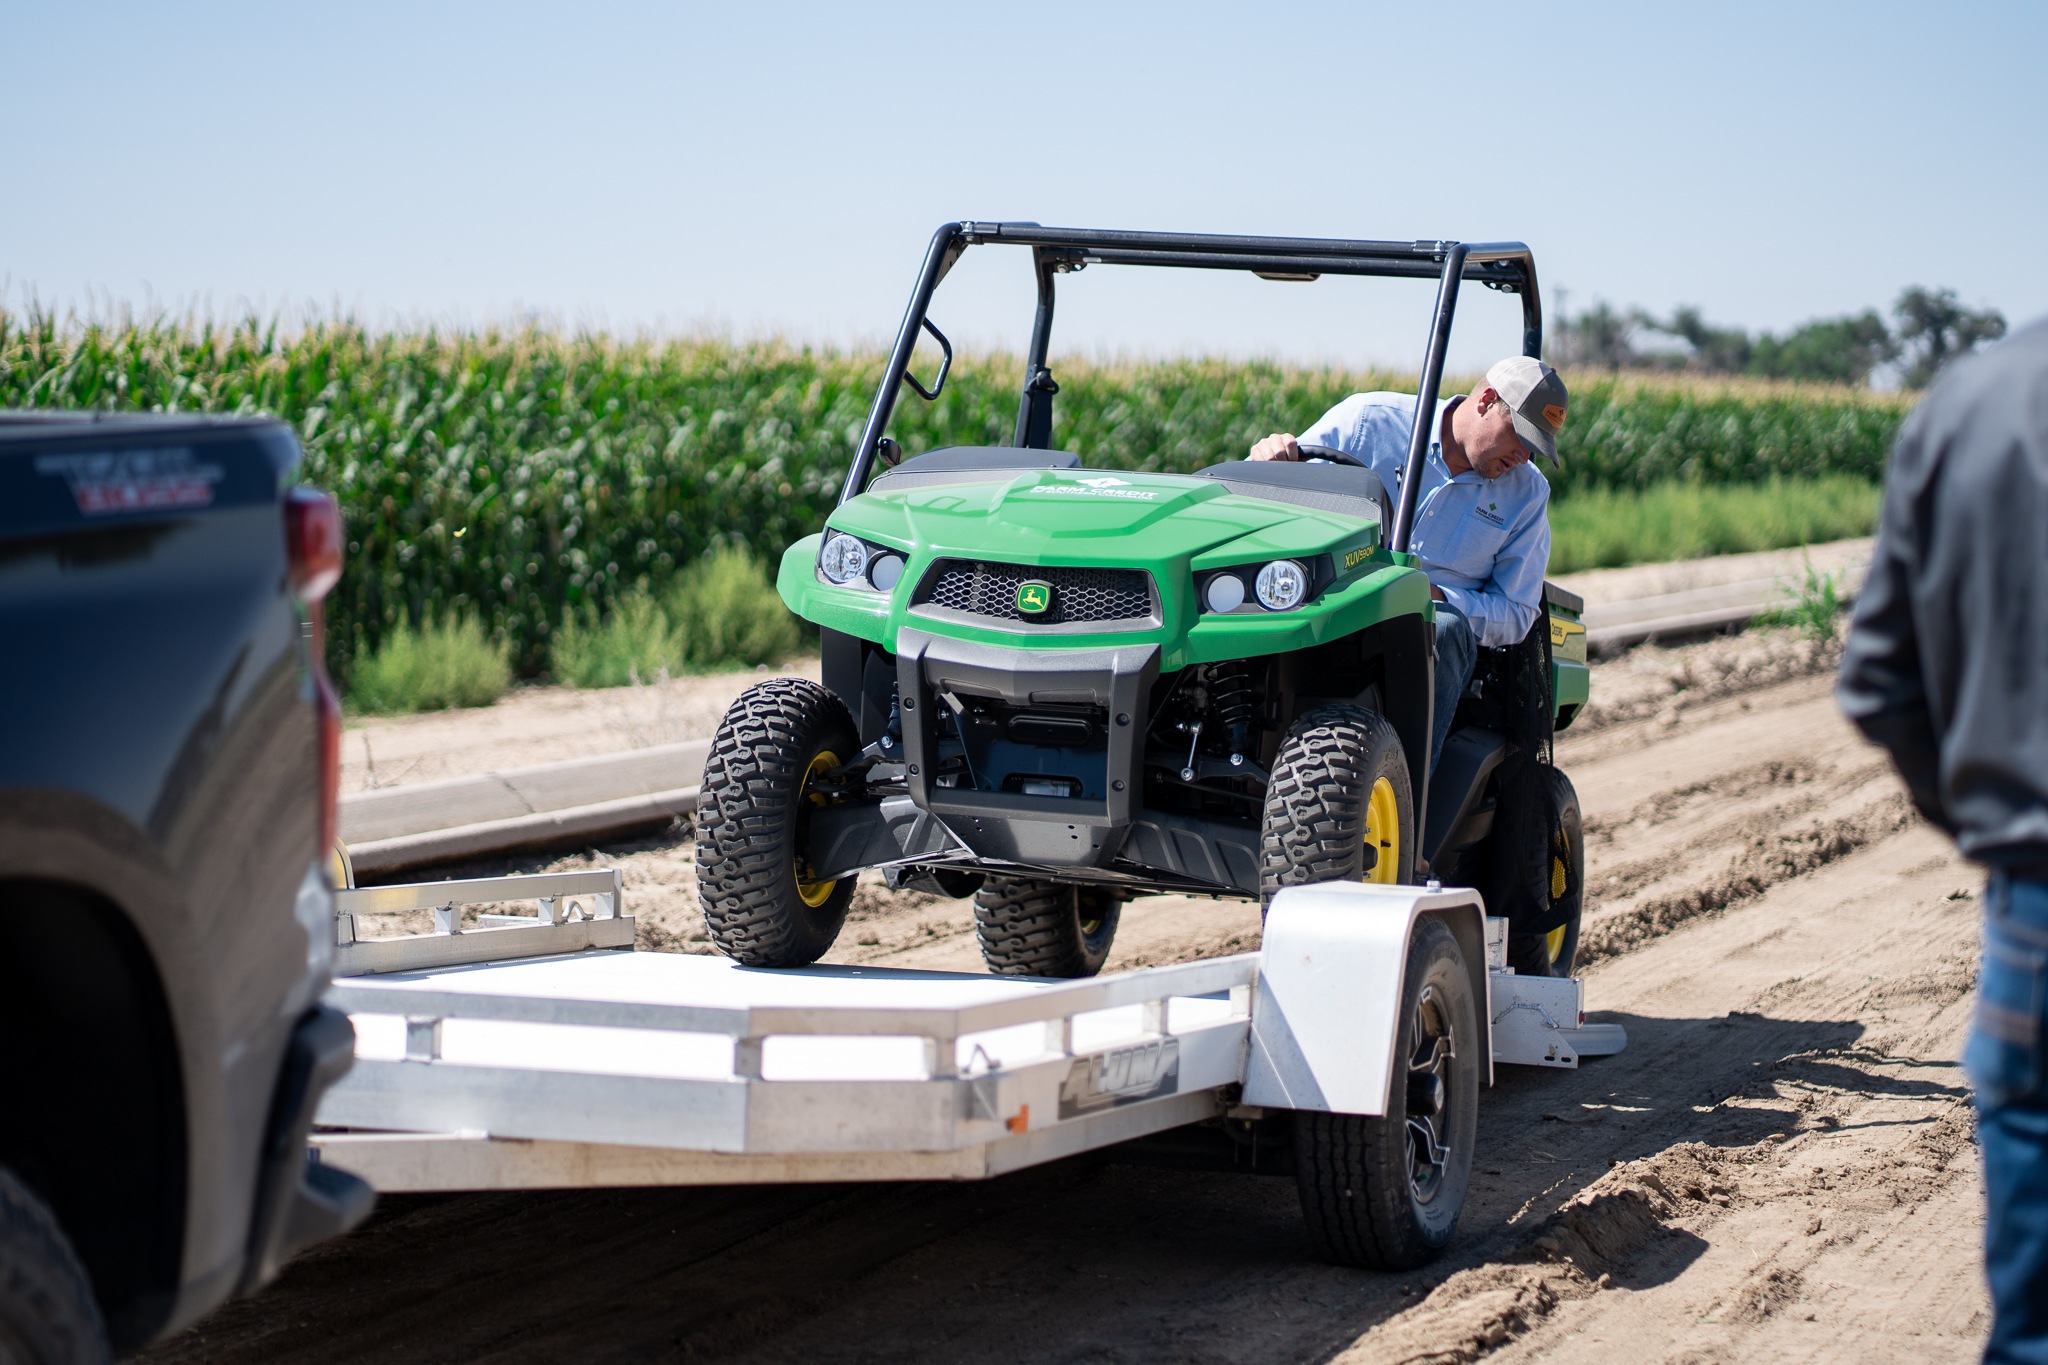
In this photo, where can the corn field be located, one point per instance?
(517, 475)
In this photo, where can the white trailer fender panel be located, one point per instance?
(1326, 1007)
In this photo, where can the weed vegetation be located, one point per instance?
(730, 615)
(518, 478)
(722, 612)
(1814, 605)
(432, 667)
(637, 643)
(1603, 528)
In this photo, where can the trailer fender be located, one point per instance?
(1326, 1006)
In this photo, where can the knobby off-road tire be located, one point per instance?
(760, 905)
(1385, 1193)
(1033, 928)
(1340, 775)
(47, 1312)
(1553, 954)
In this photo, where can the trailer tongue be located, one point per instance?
(527, 1055)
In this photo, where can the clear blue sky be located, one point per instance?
(778, 168)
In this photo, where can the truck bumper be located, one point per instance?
(298, 1201)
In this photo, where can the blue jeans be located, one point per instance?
(2005, 1062)
(1455, 652)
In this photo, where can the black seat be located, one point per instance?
(1341, 488)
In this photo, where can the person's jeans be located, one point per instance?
(1455, 652)
(2005, 1062)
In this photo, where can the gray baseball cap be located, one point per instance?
(1536, 401)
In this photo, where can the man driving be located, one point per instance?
(1480, 531)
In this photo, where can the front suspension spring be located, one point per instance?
(1230, 698)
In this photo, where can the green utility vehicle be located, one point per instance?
(1055, 688)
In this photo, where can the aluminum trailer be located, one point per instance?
(541, 1052)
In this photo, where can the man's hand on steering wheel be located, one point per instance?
(1280, 446)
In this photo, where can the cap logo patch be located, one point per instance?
(1553, 413)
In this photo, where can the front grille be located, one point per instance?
(980, 588)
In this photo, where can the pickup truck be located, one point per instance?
(169, 766)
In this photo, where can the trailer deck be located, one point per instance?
(518, 1056)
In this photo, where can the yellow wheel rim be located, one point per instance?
(1558, 881)
(815, 894)
(1091, 924)
(1383, 832)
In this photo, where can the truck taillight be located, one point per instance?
(312, 537)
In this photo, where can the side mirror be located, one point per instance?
(887, 453)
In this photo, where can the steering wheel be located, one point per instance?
(1331, 454)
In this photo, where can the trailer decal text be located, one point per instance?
(1121, 1076)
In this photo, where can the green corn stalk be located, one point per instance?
(514, 475)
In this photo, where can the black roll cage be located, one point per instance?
(1507, 266)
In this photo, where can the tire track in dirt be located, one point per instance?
(1774, 859)
(1793, 1006)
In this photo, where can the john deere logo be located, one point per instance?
(1034, 598)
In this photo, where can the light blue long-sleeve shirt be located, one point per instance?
(1484, 542)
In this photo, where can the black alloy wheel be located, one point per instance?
(1385, 1192)
(1429, 1092)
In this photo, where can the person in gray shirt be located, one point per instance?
(1946, 666)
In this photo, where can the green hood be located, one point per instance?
(1169, 525)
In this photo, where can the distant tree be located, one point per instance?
(1842, 350)
(1933, 330)
(1936, 329)
(1597, 338)
(1717, 350)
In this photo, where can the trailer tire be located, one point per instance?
(1339, 778)
(1554, 953)
(48, 1315)
(757, 795)
(1372, 1193)
(1034, 928)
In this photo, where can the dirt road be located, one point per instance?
(1779, 1168)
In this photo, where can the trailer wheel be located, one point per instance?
(1385, 1193)
(1340, 788)
(1553, 953)
(1032, 928)
(47, 1312)
(761, 903)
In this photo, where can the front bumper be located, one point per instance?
(1104, 833)
(1012, 827)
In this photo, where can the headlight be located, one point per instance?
(1282, 584)
(885, 571)
(844, 558)
(1224, 593)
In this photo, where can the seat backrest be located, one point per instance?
(1342, 488)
